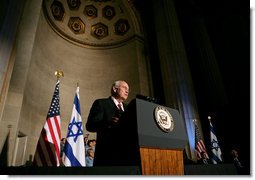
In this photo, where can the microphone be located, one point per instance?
(147, 98)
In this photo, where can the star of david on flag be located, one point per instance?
(74, 150)
(215, 148)
(74, 129)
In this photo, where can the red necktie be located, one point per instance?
(119, 106)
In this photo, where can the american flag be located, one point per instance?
(200, 146)
(48, 146)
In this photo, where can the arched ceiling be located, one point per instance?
(92, 23)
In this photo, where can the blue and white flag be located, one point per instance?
(74, 151)
(216, 151)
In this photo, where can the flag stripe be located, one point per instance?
(56, 143)
(77, 104)
(46, 154)
(69, 153)
(57, 133)
(40, 154)
(50, 151)
(57, 124)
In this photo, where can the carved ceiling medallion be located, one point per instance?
(94, 23)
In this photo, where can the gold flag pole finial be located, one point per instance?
(209, 118)
(77, 84)
(59, 74)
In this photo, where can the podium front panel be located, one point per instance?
(151, 135)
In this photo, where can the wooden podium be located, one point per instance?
(160, 150)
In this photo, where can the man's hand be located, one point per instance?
(115, 120)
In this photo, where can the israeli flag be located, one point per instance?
(216, 151)
(74, 150)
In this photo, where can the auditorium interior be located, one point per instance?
(189, 55)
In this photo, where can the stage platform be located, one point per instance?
(110, 170)
(210, 169)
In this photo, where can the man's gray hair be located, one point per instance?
(115, 84)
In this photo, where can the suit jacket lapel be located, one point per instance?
(112, 104)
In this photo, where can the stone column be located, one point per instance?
(19, 33)
(177, 82)
(8, 31)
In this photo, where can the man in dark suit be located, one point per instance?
(105, 119)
